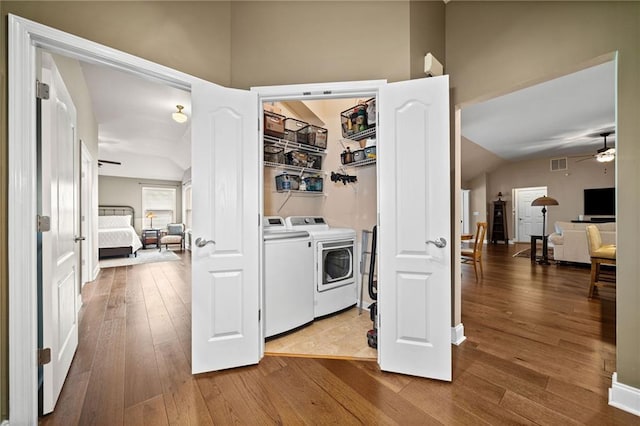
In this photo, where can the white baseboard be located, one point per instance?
(457, 334)
(5, 423)
(96, 271)
(624, 397)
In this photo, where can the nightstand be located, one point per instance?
(150, 236)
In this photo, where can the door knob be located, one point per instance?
(440, 243)
(76, 239)
(201, 242)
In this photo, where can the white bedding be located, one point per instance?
(119, 237)
(115, 231)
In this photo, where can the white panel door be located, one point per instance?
(226, 238)
(529, 218)
(414, 286)
(60, 271)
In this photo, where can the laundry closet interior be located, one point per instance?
(320, 194)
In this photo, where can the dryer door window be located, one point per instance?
(337, 264)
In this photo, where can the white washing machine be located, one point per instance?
(288, 277)
(335, 277)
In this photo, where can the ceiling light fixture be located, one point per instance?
(179, 116)
(606, 156)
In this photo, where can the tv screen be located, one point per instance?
(600, 201)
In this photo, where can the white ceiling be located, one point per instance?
(135, 125)
(560, 117)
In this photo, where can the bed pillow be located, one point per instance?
(106, 222)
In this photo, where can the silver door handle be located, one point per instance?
(76, 239)
(201, 242)
(441, 243)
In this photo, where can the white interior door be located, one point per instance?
(529, 218)
(225, 253)
(414, 286)
(60, 272)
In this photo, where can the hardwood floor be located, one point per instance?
(537, 352)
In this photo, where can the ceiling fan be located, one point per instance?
(604, 154)
(102, 162)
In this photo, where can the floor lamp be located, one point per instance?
(544, 202)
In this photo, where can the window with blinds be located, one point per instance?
(187, 206)
(158, 207)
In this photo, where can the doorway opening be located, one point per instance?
(318, 165)
(527, 217)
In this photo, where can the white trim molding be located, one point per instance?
(457, 334)
(624, 397)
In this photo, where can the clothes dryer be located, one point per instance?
(334, 263)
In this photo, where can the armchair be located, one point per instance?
(173, 235)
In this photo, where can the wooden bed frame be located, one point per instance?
(116, 211)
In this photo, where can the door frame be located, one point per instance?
(23, 39)
(515, 196)
(86, 225)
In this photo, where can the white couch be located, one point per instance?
(570, 240)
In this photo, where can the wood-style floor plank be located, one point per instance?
(147, 413)
(537, 352)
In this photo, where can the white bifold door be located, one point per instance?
(414, 228)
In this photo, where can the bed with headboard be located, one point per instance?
(116, 234)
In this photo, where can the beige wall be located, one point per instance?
(565, 186)
(193, 37)
(120, 191)
(426, 34)
(494, 47)
(306, 42)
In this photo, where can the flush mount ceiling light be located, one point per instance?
(179, 116)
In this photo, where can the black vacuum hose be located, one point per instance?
(373, 292)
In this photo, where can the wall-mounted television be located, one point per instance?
(600, 201)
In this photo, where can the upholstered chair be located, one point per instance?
(173, 235)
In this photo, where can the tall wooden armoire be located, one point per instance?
(499, 224)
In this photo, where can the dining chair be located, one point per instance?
(474, 254)
(600, 254)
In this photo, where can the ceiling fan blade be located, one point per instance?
(109, 162)
(590, 157)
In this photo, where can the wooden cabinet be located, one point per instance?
(499, 223)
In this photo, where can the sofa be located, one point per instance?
(569, 242)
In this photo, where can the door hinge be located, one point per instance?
(44, 356)
(42, 90)
(259, 314)
(44, 223)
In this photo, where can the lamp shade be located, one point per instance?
(544, 201)
(179, 116)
